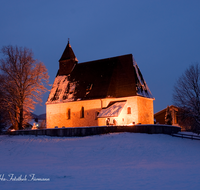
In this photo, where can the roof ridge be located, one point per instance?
(107, 58)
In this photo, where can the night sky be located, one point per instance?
(162, 35)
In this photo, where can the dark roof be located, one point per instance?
(108, 77)
(68, 53)
(112, 77)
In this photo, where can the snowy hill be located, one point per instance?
(113, 161)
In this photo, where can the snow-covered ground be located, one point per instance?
(113, 161)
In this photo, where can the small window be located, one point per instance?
(89, 87)
(82, 112)
(68, 113)
(128, 110)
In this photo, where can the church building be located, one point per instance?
(103, 92)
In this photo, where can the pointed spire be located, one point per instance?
(68, 53)
(67, 61)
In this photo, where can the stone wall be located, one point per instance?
(87, 131)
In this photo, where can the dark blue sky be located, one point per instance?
(162, 35)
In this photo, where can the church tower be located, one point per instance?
(67, 61)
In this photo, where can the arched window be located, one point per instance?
(128, 110)
(82, 112)
(69, 113)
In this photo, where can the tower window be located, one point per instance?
(82, 112)
(128, 110)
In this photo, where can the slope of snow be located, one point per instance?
(58, 91)
(113, 161)
(142, 88)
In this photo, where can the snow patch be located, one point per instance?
(142, 88)
(62, 90)
(113, 110)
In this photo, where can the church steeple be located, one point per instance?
(68, 53)
(67, 61)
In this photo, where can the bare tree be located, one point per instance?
(24, 80)
(186, 96)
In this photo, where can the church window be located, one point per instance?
(82, 112)
(128, 110)
(69, 113)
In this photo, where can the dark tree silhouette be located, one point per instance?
(23, 81)
(3, 115)
(186, 96)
